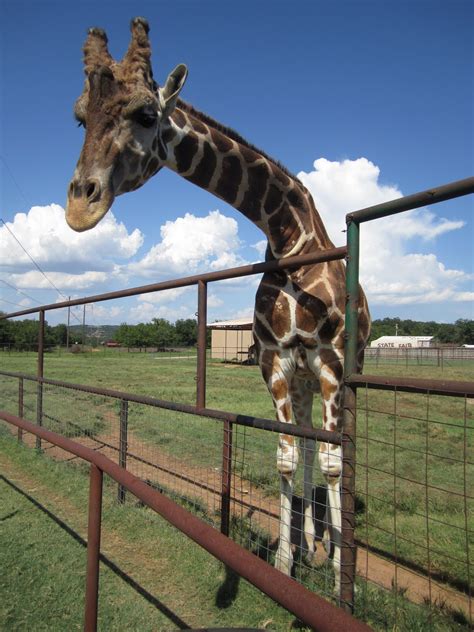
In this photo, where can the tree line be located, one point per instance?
(160, 333)
(459, 333)
(23, 334)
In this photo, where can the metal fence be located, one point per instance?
(406, 499)
(308, 607)
(431, 356)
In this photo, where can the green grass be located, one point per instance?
(43, 566)
(393, 497)
(153, 578)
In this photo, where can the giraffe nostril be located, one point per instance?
(93, 190)
(75, 189)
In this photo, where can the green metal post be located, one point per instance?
(348, 548)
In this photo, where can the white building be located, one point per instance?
(402, 342)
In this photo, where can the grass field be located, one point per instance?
(412, 450)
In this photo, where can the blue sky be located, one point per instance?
(365, 101)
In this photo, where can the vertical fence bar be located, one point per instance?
(39, 373)
(201, 342)
(93, 549)
(123, 445)
(348, 548)
(226, 477)
(20, 405)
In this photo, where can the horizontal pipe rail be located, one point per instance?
(423, 198)
(219, 275)
(307, 606)
(219, 415)
(413, 385)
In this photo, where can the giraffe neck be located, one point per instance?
(225, 165)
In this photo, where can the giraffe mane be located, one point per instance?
(232, 134)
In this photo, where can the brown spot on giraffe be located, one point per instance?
(231, 174)
(205, 169)
(184, 152)
(221, 143)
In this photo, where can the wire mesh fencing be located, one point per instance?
(414, 481)
(436, 357)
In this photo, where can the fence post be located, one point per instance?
(123, 445)
(201, 345)
(93, 548)
(20, 406)
(348, 548)
(39, 373)
(226, 482)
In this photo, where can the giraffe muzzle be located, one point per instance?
(87, 203)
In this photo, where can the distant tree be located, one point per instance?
(6, 333)
(59, 333)
(162, 333)
(186, 332)
(125, 335)
(464, 331)
(460, 332)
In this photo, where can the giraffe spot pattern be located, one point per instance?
(222, 143)
(257, 176)
(229, 181)
(284, 231)
(184, 152)
(179, 118)
(204, 171)
(274, 199)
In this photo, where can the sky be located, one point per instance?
(365, 101)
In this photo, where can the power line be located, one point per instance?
(4, 300)
(31, 258)
(20, 292)
(15, 182)
(24, 249)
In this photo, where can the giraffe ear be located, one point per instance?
(170, 91)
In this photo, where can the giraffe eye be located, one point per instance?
(146, 116)
(80, 121)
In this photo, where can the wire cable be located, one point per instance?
(31, 258)
(20, 292)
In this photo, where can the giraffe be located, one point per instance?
(134, 128)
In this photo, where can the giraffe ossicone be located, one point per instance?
(134, 128)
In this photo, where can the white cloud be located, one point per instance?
(214, 301)
(261, 248)
(165, 296)
(62, 280)
(391, 272)
(145, 312)
(43, 232)
(192, 243)
(102, 314)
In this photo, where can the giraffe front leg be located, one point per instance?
(330, 456)
(330, 461)
(309, 547)
(287, 462)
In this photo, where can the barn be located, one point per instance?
(402, 342)
(231, 340)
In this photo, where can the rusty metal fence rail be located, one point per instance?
(308, 607)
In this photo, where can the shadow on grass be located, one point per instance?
(179, 623)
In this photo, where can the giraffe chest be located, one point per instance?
(288, 314)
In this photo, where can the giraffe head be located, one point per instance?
(125, 115)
